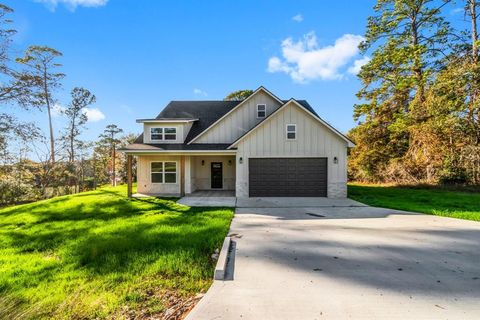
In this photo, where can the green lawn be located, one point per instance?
(99, 255)
(455, 204)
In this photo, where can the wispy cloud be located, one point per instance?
(94, 114)
(358, 64)
(72, 4)
(457, 11)
(200, 92)
(297, 18)
(305, 60)
(57, 110)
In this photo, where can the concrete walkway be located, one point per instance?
(352, 263)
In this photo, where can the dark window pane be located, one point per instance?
(261, 114)
(291, 128)
(156, 137)
(170, 177)
(157, 167)
(157, 177)
(170, 130)
(170, 136)
(156, 130)
(170, 166)
(290, 135)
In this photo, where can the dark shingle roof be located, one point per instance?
(207, 112)
(304, 104)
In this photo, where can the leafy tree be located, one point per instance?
(75, 113)
(238, 95)
(41, 63)
(407, 39)
(109, 139)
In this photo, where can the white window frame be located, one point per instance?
(162, 135)
(262, 104)
(287, 132)
(163, 172)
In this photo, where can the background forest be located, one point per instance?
(420, 117)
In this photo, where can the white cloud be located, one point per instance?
(200, 92)
(297, 18)
(57, 110)
(93, 114)
(457, 11)
(73, 4)
(305, 60)
(358, 64)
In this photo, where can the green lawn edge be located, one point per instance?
(440, 202)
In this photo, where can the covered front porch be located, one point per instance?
(193, 175)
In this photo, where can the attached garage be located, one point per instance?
(287, 177)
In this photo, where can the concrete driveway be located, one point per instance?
(352, 263)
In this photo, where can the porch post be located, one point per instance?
(182, 176)
(129, 175)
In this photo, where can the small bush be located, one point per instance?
(13, 191)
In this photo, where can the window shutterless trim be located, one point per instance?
(163, 172)
(294, 132)
(264, 111)
(163, 133)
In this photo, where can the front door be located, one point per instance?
(217, 175)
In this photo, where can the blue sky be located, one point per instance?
(135, 56)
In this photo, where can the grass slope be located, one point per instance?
(454, 204)
(94, 254)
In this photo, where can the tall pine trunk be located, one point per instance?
(47, 101)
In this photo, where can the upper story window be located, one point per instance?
(162, 134)
(291, 131)
(261, 110)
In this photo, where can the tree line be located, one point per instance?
(65, 163)
(419, 116)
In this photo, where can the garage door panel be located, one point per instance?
(288, 177)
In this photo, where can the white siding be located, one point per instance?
(144, 184)
(240, 120)
(313, 140)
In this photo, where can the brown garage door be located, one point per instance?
(287, 177)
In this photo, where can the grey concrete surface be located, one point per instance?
(208, 201)
(296, 202)
(353, 263)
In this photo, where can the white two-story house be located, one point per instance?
(259, 147)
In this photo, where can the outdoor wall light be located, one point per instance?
(335, 160)
(203, 162)
(229, 162)
(240, 160)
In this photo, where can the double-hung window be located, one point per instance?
(291, 131)
(163, 172)
(161, 134)
(261, 111)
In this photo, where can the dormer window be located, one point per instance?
(261, 111)
(162, 134)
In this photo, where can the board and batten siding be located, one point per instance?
(240, 120)
(313, 140)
